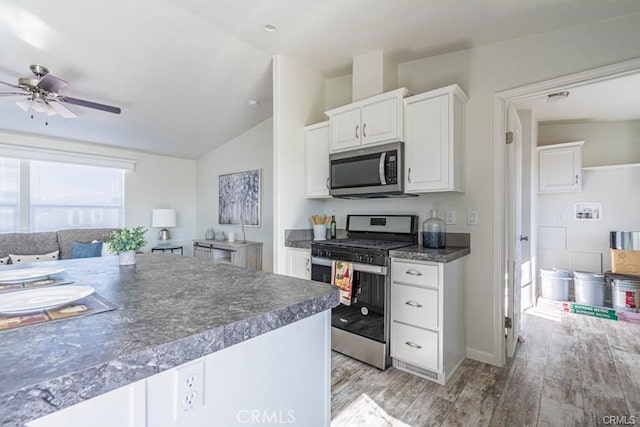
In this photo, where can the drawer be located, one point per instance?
(415, 274)
(416, 306)
(415, 346)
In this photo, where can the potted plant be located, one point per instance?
(125, 242)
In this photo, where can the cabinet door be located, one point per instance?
(299, 263)
(560, 169)
(380, 121)
(428, 146)
(317, 166)
(345, 129)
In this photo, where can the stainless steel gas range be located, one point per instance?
(361, 330)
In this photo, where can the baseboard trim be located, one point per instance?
(482, 356)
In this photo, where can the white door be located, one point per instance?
(380, 121)
(345, 129)
(514, 222)
(317, 160)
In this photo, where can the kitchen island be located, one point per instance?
(244, 333)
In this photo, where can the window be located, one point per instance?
(9, 195)
(60, 196)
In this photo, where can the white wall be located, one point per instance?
(606, 143)
(156, 182)
(298, 100)
(251, 150)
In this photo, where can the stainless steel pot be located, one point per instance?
(627, 240)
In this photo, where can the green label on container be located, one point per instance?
(587, 310)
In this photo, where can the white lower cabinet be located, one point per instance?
(298, 263)
(427, 317)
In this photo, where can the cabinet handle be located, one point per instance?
(414, 345)
(364, 130)
(414, 273)
(576, 179)
(327, 184)
(409, 176)
(306, 261)
(414, 304)
(357, 127)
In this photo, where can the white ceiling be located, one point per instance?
(610, 100)
(183, 71)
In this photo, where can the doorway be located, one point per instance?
(507, 280)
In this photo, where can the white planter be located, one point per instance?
(127, 258)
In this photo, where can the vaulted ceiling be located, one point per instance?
(184, 71)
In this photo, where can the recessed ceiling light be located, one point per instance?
(270, 28)
(254, 103)
(558, 97)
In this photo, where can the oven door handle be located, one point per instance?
(365, 268)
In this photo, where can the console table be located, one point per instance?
(241, 254)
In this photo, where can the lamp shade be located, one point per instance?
(163, 218)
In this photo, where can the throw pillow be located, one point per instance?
(86, 250)
(105, 248)
(4, 260)
(18, 259)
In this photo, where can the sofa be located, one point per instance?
(47, 242)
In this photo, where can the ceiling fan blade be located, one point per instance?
(51, 83)
(62, 110)
(12, 94)
(10, 85)
(89, 104)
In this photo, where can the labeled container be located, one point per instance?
(433, 232)
(625, 252)
(555, 284)
(589, 288)
(625, 294)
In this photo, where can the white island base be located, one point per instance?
(282, 377)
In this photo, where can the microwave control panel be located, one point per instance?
(392, 168)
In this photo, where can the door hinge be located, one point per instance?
(509, 137)
(508, 323)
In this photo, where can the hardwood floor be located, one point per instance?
(571, 370)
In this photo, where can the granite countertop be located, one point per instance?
(171, 310)
(418, 253)
(303, 244)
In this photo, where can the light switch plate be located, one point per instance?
(450, 217)
(472, 217)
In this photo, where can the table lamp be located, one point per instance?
(163, 218)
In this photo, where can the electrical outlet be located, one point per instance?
(450, 217)
(472, 217)
(189, 389)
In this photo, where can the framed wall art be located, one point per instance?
(239, 198)
(588, 211)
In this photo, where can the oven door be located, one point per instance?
(367, 314)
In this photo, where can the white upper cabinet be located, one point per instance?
(434, 141)
(317, 161)
(560, 167)
(374, 120)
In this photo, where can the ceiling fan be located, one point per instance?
(42, 95)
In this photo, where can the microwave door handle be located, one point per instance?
(383, 180)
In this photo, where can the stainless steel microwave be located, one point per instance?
(370, 172)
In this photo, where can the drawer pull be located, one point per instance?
(414, 273)
(414, 345)
(344, 320)
(414, 304)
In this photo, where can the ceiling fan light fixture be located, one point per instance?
(24, 104)
(39, 106)
(557, 98)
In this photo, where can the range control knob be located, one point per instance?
(359, 257)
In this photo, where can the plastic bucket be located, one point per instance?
(589, 288)
(625, 295)
(555, 284)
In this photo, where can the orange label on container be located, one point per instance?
(630, 299)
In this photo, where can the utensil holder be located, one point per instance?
(319, 231)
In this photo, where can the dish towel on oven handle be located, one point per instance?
(342, 277)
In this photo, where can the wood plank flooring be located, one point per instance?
(571, 370)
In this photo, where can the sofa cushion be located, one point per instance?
(86, 250)
(84, 235)
(21, 259)
(28, 243)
